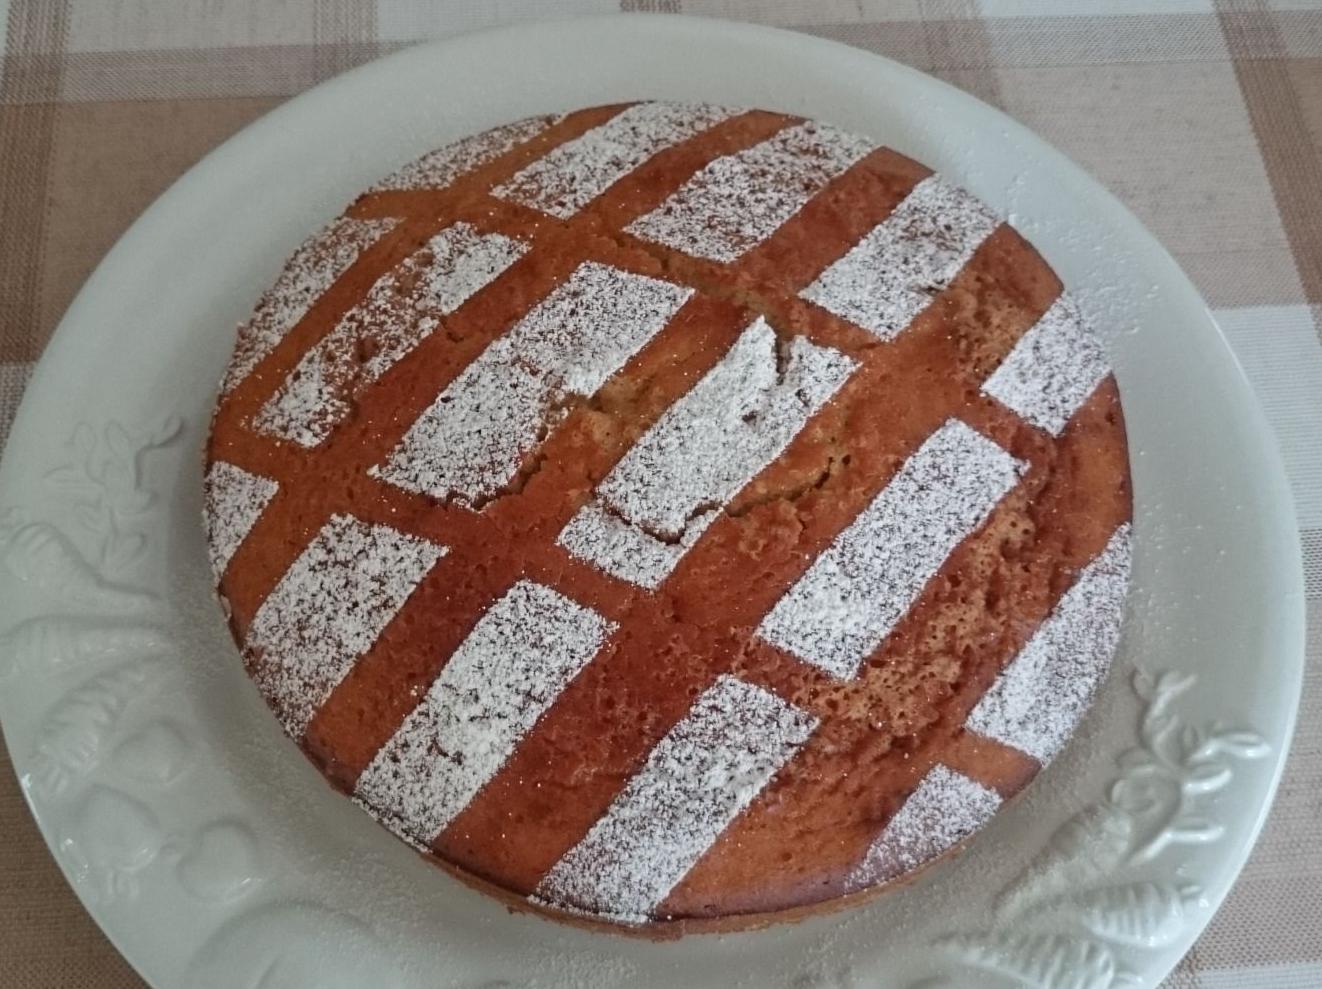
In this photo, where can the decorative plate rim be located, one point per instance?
(107, 773)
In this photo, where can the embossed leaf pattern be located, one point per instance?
(89, 516)
(1238, 742)
(124, 550)
(1193, 829)
(115, 828)
(84, 439)
(107, 479)
(69, 478)
(74, 736)
(1076, 894)
(1137, 761)
(1140, 914)
(1137, 915)
(57, 642)
(1141, 794)
(1177, 764)
(1040, 961)
(1087, 847)
(1207, 778)
(295, 945)
(117, 442)
(162, 433)
(41, 555)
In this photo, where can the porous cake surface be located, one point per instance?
(672, 516)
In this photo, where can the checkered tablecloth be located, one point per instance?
(1204, 116)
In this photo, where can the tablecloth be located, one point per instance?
(1204, 116)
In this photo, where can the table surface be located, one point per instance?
(1204, 116)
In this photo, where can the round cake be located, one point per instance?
(672, 517)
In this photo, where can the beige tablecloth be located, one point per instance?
(1205, 116)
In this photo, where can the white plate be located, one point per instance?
(214, 855)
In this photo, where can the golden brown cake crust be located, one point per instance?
(815, 834)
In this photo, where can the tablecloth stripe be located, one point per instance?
(36, 31)
(1280, 111)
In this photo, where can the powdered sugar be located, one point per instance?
(854, 593)
(699, 777)
(622, 549)
(473, 438)
(508, 671)
(1040, 696)
(328, 609)
(315, 266)
(437, 169)
(668, 488)
(892, 274)
(234, 500)
(740, 200)
(401, 309)
(575, 173)
(390, 823)
(946, 808)
(1051, 370)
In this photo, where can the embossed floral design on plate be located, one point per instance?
(104, 750)
(214, 856)
(1087, 896)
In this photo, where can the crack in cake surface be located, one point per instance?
(661, 496)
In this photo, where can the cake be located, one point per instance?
(670, 517)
